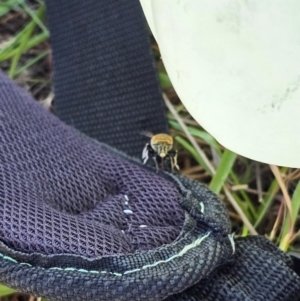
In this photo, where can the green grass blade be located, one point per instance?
(284, 242)
(35, 17)
(249, 209)
(243, 205)
(245, 231)
(193, 152)
(267, 200)
(11, 48)
(34, 41)
(164, 80)
(199, 134)
(13, 43)
(227, 161)
(4, 290)
(17, 56)
(27, 32)
(246, 202)
(31, 62)
(6, 6)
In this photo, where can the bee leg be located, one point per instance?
(172, 164)
(175, 161)
(145, 153)
(156, 164)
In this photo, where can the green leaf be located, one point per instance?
(193, 152)
(247, 206)
(268, 199)
(227, 161)
(4, 290)
(284, 243)
(198, 133)
(164, 80)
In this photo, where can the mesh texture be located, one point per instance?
(76, 203)
(65, 235)
(104, 74)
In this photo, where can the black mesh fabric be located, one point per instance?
(81, 221)
(259, 272)
(105, 79)
(66, 232)
(63, 193)
(84, 195)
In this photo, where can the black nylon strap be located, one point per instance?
(104, 75)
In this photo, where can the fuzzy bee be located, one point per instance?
(159, 148)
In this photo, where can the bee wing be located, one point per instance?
(145, 154)
(147, 134)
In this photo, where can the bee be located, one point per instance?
(159, 148)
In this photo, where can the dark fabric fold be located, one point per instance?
(104, 74)
(80, 220)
